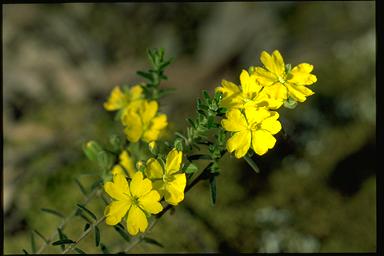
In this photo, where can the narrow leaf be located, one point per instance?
(81, 187)
(41, 236)
(62, 236)
(152, 241)
(88, 211)
(79, 251)
(87, 225)
(52, 212)
(212, 186)
(122, 233)
(252, 164)
(145, 75)
(97, 236)
(64, 241)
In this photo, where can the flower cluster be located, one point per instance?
(139, 116)
(250, 107)
(137, 189)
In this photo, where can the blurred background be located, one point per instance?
(317, 188)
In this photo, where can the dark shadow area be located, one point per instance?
(352, 171)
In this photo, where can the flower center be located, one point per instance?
(135, 200)
(167, 178)
(282, 79)
(255, 126)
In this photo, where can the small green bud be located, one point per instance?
(178, 144)
(290, 103)
(91, 149)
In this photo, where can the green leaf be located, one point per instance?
(252, 164)
(97, 236)
(64, 241)
(87, 210)
(212, 186)
(81, 187)
(53, 212)
(33, 243)
(62, 236)
(146, 75)
(41, 236)
(152, 241)
(206, 96)
(79, 251)
(178, 144)
(120, 229)
(87, 225)
(105, 160)
(191, 168)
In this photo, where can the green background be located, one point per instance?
(317, 187)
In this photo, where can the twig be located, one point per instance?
(65, 221)
(85, 233)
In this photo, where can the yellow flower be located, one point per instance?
(168, 181)
(137, 198)
(127, 163)
(119, 100)
(142, 121)
(255, 129)
(278, 83)
(249, 94)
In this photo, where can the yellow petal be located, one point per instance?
(148, 111)
(228, 88)
(240, 143)
(140, 186)
(156, 125)
(301, 75)
(136, 92)
(265, 77)
(277, 91)
(118, 189)
(134, 128)
(235, 121)
(115, 211)
(250, 87)
(127, 162)
(299, 93)
(273, 63)
(117, 169)
(255, 116)
(262, 141)
(136, 221)
(173, 161)
(150, 202)
(271, 124)
(116, 100)
(154, 169)
(174, 190)
(231, 94)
